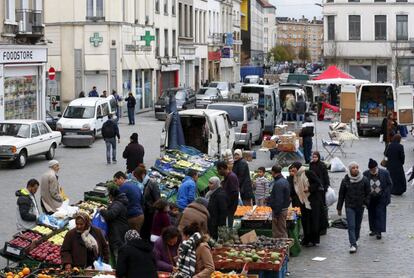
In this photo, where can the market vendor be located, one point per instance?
(83, 245)
(27, 208)
(242, 171)
(187, 190)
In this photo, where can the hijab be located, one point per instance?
(301, 184)
(88, 239)
(357, 178)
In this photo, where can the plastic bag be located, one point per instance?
(99, 222)
(101, 266)
(65, 211)
(381, 138)
(330, 197)
(337, 165)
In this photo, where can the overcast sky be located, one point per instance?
(297, 8)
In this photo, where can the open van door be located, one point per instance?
(404, 105)
(348, 103)
(164, 133)
(269, 111)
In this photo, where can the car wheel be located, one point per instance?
(51, 152)
(21, 160)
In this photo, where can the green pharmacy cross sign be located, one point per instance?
(96, 40)
(147, 38)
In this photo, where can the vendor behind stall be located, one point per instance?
(27, 208)
(83, 244)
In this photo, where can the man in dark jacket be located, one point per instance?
(27, 209)
(307, 134)
(300, 108)
(380, 197)
(116, 218)
(217, 206)
(136, 258)
(133, 153)
(230, 185)
(241, 169)
(110, 131)
(354, 191)
(279, 201)
(93, 93)
(131, 102)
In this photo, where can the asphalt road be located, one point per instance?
(82, 168)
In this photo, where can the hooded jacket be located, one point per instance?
(195, 212)
(186, 192)
(117, 220)
(27, 210)
(135, 260)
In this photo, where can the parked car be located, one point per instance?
(245, 119)
(51, 120)
(185, 99)
(82, 120)
(224, 87)
(20, 139)
(251, 79)
(209, 131)
(205, 96)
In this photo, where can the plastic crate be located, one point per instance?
(274, 274)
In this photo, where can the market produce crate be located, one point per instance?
(15, 251)
(256, 224)
(281, 273)
(92, 197)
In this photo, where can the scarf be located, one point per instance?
(301, 183)
(211, 192)
(356, 179)
(186, 262)
(90, 241)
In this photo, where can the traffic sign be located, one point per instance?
(52, 73)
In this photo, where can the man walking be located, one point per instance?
(51, 194)
(133, 153)
(110, 131)
(131, 102)
(300, 108)
(279, 201)
(27, 208)
(93, 93)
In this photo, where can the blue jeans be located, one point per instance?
(299, 120)
(131, 115)
(110, 143)
(354, 218)
(307, 149)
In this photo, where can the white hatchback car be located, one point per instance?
(20, 139)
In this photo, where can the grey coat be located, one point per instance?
(50, 191)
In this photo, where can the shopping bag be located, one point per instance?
(101, 266)
(337, 165)
(381, 138)
(99, 222)
(330, 197)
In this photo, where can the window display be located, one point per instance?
(20, 97)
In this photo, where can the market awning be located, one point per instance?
(338, 81)
(333, 72)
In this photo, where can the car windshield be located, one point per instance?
(235, 112)
(178, 94)
(220, 85)
(79, 112)
(211, 92)
(201, 91)
(16, 130)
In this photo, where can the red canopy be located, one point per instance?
(333, 72)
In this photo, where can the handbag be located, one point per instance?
(384, 161)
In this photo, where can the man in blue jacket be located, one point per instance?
(279, 201)
(187, 190)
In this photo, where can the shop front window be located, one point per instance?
(20, 97)
(126, 82)
(138, 89)
(148, 99)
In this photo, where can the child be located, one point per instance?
(262, 187)
(174, 214)
(161, 219)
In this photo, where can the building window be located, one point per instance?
(174, 42)
(95, 9)
(331, 27)
(266, 20)
(360, 72)
(173, 7)
(180, 16)
(401, 1)
(166, 7)
(402, 27)
(329, 1)
(381, 73)
(354, 27)
(157, 6)
(166, 46)
(380, 27)
(157, 42)
(353, 0)
(266, 30)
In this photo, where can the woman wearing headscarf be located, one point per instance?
(194, 255)
(136, 258)
(388, 129)
(83, 244)
(217, 206)
(241, 169)
(354, 191)
(395, 165)
(310, 193)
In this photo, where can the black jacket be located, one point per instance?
(320, 170)
(135, 259)
(134, 155)
(151, 195)
(294, 199)
(117, 218)
(131, 102)
(307, 130)
(217, 207)
(279, 199)
(241, 169)
(355, 195)
(300, 107)
(386, 185)
(25, 205)
(110, 130)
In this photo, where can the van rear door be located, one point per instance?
(405, 105)
(222, 133)
(269, 117)
(348, 103)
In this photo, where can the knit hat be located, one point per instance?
(372, 164)
(53, 163)
(132, 235)
(238, 152)
(352, 164)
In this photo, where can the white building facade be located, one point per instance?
(214, 39)
(269, 27)
(372, 40)
(200, 42)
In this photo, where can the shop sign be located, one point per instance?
(22, 55)
(174, 67)
(164, 61)
(135, 48)
(147, 38)
(226, 52)
(96, 40)
(214, 55)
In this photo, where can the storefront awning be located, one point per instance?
(96, 62)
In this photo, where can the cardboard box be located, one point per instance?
(280, 129)
(288, 138)
(286, 147)
(269, 144)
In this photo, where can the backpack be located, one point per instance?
(108, 131)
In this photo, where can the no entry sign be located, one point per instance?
(52, 73)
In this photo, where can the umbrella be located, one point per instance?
(338, 81)
(175, 132)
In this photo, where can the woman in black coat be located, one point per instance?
(133, 153)
(136, 258)
(241, 169)
(117, 220)
(217, 206)
(395, 165)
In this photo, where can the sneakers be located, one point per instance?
(352, 249)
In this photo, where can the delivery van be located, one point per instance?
(370, 103)
(83, 118)
(268, 101)
(209, 131)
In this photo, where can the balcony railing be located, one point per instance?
(24, 19)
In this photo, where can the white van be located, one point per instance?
(370, 103)
(82, 120)
(209, 131)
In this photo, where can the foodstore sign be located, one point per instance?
(22, 55)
